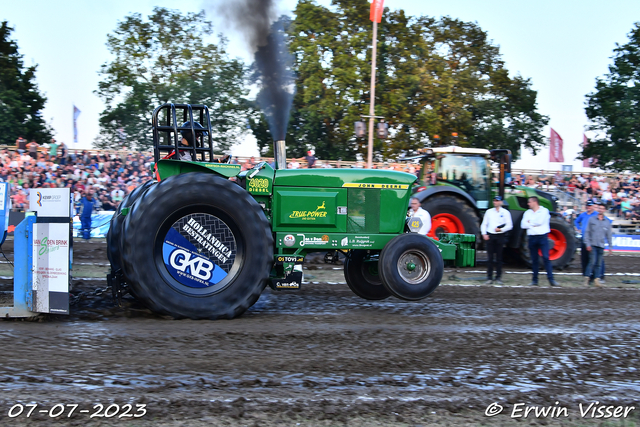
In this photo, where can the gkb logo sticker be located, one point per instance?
(187, 265)
(183, 261)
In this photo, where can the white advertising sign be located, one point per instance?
(50, 202)
(51, 267)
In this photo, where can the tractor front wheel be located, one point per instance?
(411, 266)
(361, 274)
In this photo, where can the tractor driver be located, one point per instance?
(189, 139)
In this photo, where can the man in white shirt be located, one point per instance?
(495, 224)
(417, 211)
(536, 221)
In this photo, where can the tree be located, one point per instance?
(166, 59)
(21, 102)
(434, 77)
(614, 110)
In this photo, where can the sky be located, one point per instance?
(561, 45)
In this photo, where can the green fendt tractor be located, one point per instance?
(456, 188)
(206, 238)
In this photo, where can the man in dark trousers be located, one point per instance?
(85, 208)
(536, 220)
(495, 224)
(581, 224)
(597, 232)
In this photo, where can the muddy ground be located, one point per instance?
(323, 357)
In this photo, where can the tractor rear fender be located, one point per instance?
(170, 167)
(440, 189)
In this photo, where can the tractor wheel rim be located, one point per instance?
(414, 266)
(369, 271)
(445, 223)
(558, 244)
(199, 251)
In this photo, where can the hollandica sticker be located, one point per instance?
(199, 250)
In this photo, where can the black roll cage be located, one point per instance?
(202, 149)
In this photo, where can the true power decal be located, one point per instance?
(199, 250)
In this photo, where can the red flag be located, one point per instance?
(555, 147)
(376, 10)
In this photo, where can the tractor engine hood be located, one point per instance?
(344, 178)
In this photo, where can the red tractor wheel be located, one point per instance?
(445, 223)
(562, 244)
(450, 214)
(557, 244)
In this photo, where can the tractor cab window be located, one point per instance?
(470, 173)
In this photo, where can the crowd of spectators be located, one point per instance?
(111, 176)
(620, 194)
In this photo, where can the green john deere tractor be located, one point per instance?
(456, 188)
(206, 238)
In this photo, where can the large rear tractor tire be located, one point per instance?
(450, 214)
(562, 245)
(115, 228)
(197, 246)
(411, 266)
(362, 276)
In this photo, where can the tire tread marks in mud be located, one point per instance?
(188, 194)
(363, 283)
(393, 280)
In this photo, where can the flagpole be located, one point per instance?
(373, 95)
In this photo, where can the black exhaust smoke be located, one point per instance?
(256, 20)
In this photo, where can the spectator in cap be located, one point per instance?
(310, 158)
(495, 224)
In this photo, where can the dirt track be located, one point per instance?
(323, 356)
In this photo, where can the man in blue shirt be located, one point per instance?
(86, 206)
(581, 225)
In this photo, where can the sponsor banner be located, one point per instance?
(50, 273)
(304, 240)
(281, 259)
(358, 241)
(625, 242)
(332, 241)
(320, 212)
(199, 250)
(383, 186)
(50, 202)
